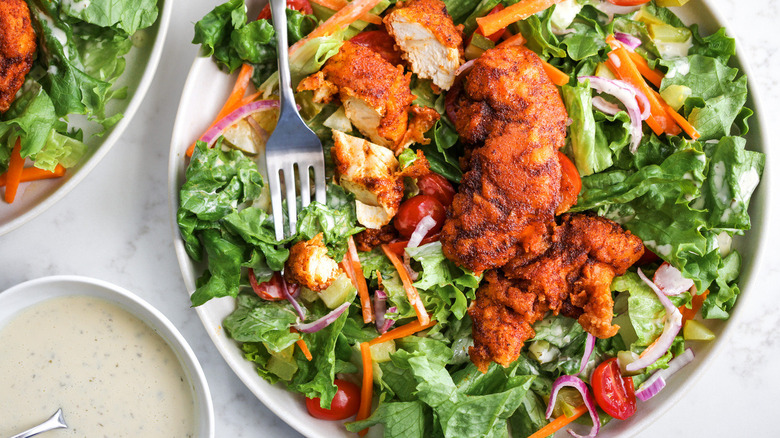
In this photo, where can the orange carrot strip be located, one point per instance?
(696, 303)
(411, 292)
(557, 77)
(514, 40)
(559, 423)
(653, 75)
(35, 174)
(367, 390)
(621, 65)
(360, 281)
(402, 332)
(302, 345)
(341, 19)
(684, 124)
(234, 99)
(521, 10)
(14, 172)
(337, 5)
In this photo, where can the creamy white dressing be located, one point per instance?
(76, 5)
(112, 375)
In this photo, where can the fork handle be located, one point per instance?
(287, 99)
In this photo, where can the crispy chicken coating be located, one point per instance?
(17, 48)
(428, 39)
(370, 238)
(505, 205)
(571, 278)
(376, 95)
(310, 266)
(370, 172)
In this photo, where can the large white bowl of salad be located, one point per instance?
(88, 71)
(357, 338)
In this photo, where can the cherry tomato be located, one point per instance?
(271, 290)
(411, 212)
(498, 34)
(399, 246)
(381, 42)
(439, 187)
(628, 2)
(344, 405)
(571, 184)
(647, 258)
(613, 392)
(298, 5)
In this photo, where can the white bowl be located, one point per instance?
(141, 64)
(196, 111)
(19, 297)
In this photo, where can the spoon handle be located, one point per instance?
(55, 422)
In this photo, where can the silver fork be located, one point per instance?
(292, 146)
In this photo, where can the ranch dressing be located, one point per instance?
(111, 374)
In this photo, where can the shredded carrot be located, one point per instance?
(557, 77)
(521, 10)
(653, 75)
(684, 124)
(359, 280)
(302, 345)
(367, 390)
(696, 303)
(234, 100)
(559, 423)
(337, 5)
(340, 20)
(35, 174)
(514, 40)
(402, 332)
(411, 292)
(14, 172)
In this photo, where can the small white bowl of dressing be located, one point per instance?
(113, 363)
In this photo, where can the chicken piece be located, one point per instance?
(17, 48)
(505, 204)
(375, 94)
(428, 39)
(310, 266)
(370, 172)
(571, 278)
(370, 238)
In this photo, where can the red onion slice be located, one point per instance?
(420, 231)
(590, 402)
(630, 41)
(627, 95)
(590, 344)
(259, 105)
(604, 106)
(465, 67)
(289, 295)
(670, 280)
(672, 326)
(323, 322)
(655, 383)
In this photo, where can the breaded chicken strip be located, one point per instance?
(375, 94)
(505, 204)
(571, 278)
(310, 266)
(428, 39)
(17, 48)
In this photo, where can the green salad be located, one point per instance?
(685, 198)
(81, 46)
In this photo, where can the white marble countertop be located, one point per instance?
(115, 226)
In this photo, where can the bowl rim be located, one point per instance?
(36, 291)
(150, 71)
(759, 218)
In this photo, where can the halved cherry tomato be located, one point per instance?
(613, 392)
(298, 5)
(571, 184)
(381, 42)
(271, 290)
(647, 258)
(399, 246)
(414, 209)
(496, 35)
(628, 2)
(439, 187)
(344, 405)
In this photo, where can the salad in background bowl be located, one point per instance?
(686, 199)
(91, 65)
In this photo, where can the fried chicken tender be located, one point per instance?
(310, 266)
(376, 96)
(571, 278)
(428, 39)
(505, 204)
(17, 49)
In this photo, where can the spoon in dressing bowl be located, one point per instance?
(55, 422)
